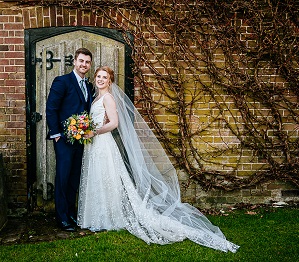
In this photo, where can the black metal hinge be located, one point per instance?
(68, 60)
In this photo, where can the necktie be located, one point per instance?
(83, 89)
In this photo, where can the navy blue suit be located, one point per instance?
(65, 99)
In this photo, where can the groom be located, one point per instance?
(69, 94)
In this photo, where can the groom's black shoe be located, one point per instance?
(73, 221)
(66, 226)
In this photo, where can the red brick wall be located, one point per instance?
(13, 21)
(13, 106)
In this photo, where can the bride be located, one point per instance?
(132, 184)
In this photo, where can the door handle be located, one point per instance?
(36, 117)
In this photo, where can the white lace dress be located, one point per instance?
(108, 199)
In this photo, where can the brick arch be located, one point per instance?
(54, 16)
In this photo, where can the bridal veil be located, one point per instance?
(155, 177)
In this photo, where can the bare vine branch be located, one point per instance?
(237, 58)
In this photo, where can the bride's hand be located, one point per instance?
(89, 135)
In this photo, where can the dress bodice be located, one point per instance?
(98, 111)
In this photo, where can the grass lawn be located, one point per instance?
(263, 234)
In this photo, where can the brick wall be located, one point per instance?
(13, 106)
(13, 21)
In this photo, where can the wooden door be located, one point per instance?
(54, 56)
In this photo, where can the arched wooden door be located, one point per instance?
(53, 56)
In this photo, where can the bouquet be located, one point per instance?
(78, 125)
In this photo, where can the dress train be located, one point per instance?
(109, 200)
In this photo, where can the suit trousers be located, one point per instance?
(67, 180)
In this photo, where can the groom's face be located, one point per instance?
(82, 64)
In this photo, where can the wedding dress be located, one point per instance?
(138, 192)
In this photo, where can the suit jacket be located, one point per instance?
(65, 99)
